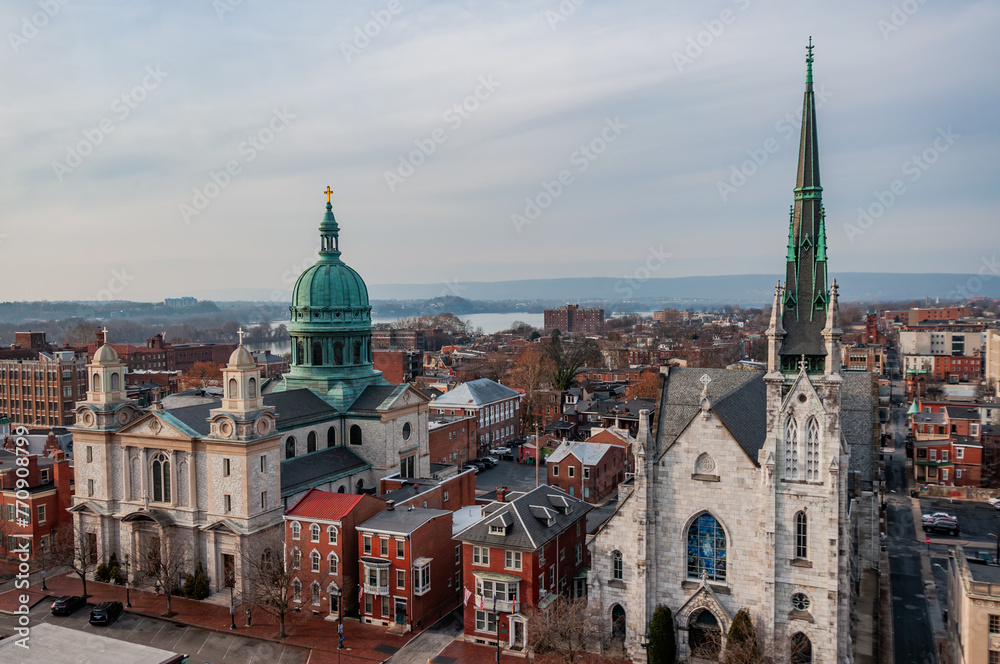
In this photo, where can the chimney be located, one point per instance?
(390, 505)
(501, 494)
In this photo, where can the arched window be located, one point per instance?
(296, 558)
(115, 384)
(355, 434)
(801, 536)
(314, 560)
(296, 590)
(341, 489)
(361, 485)
(161, 478)
(300, 351)
(315, 589)
(290, 447)
(802, 652)
(252, 385)
(296, 530)
(97, 382)
(314, 532)
(331, 437)
(317, 353)
(357, 351)
(311, 442)
(617, 566)
(791, 449)
(232, 389)
(706, 549)
(331, 532)
(338, 353)
(812, 450)
(332, 563)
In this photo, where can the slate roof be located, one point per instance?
(633, 406)
(589, 454)
(477, 392)
(737, 397)
(401, 521)
(293, 409)
(373, 396)
(928, 418)
(526, 531)
(310, 470)
(857, 421)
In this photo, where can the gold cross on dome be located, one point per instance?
(328, 192)
(240, 333)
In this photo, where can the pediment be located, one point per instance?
(225, 526)
(802, 385)
(704, 598)
(151, 424)
(408, 397)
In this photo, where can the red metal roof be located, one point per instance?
(317, 504)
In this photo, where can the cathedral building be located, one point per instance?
(207, 475)
(754, 489)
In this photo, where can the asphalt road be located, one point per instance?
(201, 644)
(979, 522)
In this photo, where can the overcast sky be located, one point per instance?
(435, 123)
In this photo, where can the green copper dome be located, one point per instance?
(330, 285)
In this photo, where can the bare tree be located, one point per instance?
(162, 563)
(530, 370)
(568, 358)
(75, 548)
(268, 577)
(568, 630)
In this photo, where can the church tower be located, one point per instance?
(806, 492)
(331, 326)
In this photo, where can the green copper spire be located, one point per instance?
(791, 234)
(821, 236)
(809, 62)
(329, 232)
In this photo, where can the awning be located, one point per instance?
(582, 573)
(374, 562)
(497, 576)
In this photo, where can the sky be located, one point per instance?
(153, 149)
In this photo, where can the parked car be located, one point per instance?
(982, 557)
(502, 451)
(471, 466)
(105, 613)
(489, 462)
(995, 502)
(494, 459)
(67, 604)
(941, 525)
(939, 515)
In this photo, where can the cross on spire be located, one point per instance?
(328, 193)
(240, 333)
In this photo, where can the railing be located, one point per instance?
(503, 606)
(376, 590)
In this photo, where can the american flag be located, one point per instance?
(361, 593)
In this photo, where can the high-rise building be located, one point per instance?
(571, 319)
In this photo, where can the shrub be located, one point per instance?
(662, 639)
(196, 586)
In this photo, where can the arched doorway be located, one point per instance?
(617, 622)
(704, 635)
(802, 652)
(361, 485)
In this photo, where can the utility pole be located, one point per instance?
(538, 453)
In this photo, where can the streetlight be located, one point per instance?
(128, 601)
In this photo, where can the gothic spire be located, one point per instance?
(806, 296)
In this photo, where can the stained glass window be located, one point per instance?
(706, 549)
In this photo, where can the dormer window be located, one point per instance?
(498, 529)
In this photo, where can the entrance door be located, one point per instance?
(400, 611)
(517, 643)
(229, 570)
(618, 622)
(334, 603)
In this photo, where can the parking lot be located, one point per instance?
(201, 644)
(511, 474)
(979, 522)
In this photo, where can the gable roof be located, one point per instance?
(525, 514)
(477, 392)
(609, 437)
(403, 521)
(737, 396)
(589, 454)
(325, 505)
(326, 465)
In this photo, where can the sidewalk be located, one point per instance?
(365, 644)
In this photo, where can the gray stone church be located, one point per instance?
(208, 475)
(754, 489)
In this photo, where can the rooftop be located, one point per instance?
(399, 521)
(478, 392)
(325, 505)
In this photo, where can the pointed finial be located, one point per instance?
(328, 193)
(802, 362)
(809, 61)
(240, 333)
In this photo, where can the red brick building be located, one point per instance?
(35, 520)
(497, 408)
(42, 391)
(453, 438)
(586, 470)
(948, 444)
(571, 319)
(398, 366)
(321, 546)
(954, 369)
(410, 567)
(917, 316)
(528, 549)
(450, 493)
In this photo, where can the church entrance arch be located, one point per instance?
(617, 622)
(704, 635)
